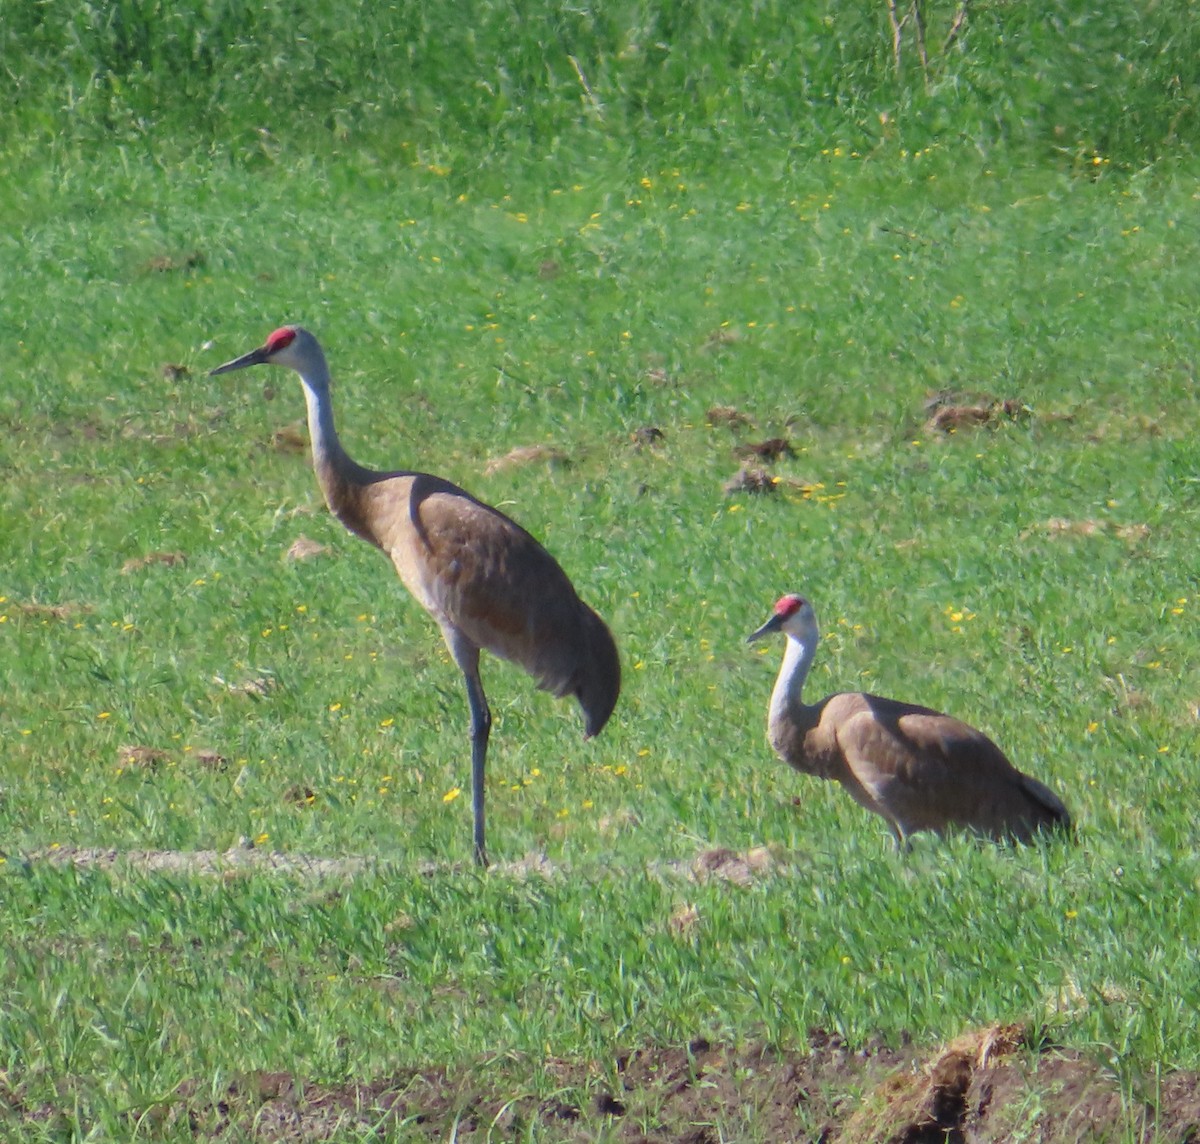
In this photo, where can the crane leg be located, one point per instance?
(481, 729)
(466, 655)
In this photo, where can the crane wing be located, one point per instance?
(929, 771)
(483, 577)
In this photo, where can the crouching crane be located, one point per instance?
(917, 768)
(486, 581)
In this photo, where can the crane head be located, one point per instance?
(287, 345)
(793, 615)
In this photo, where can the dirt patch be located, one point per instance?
(524, 455)
(1058, 526)
(648, 435)
(175, 263)
(770, 450)
(304, 548)
(984, 1088)
(950, 412)
(751, 479)
(137, 563)
(728, 416)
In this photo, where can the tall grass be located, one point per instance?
(496, 77)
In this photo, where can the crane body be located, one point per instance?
(917, 768)
(487, 582)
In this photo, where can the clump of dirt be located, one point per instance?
(751, 479)
(131, 756)
(137, 563)
(290, 438)
(304, 548)
(138, 757)
(988, 1086)
(727, 415)
(523, 455)
(770, 450)
(994, 1085)
(722, 336)
(656, 375)
(932, 1103)
(949, 412)
(647, 435)
(173, 263)
(730, 866)
(756, 481)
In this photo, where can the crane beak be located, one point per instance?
(769, 628)
(254, 357)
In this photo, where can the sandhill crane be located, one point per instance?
(919, 769)
(482, 577)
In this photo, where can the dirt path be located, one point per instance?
(725, 865)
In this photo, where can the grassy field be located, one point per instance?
(615, 240)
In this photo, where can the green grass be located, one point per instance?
(496, 80)
(569, 292)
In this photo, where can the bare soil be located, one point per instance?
(989, 1087)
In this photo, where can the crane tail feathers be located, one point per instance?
(599, 676)
(1052, 811)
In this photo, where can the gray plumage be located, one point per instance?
(915, 767)
(485, 580)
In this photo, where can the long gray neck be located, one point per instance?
(797, 659)
(328, 454)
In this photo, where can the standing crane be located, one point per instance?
(485, 580)
(918, 768)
